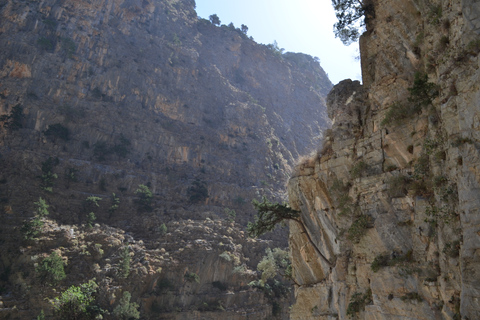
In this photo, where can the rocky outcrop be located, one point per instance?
(140, 117)
(392, 198)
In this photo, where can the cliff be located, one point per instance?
(147, 131)
(392, 199)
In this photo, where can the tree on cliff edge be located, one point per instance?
(214, 19)
(270, 214)
(349, 15)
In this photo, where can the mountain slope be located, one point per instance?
(103, 102)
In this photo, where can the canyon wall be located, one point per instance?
(392, 199)
(147, 131)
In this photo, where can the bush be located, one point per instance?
(121, 148)
(14, 120)
(91, 219)
(124, 267)
(359, 228)
(163, 285)
(422, 94)
(69, 47)
(231, 215)
(197, 192)
(409, 296)
(76, 302)
(48, 177)
(162, 229)
(115, 203)
(219, 285)
(45, 43)
(125, 309)
(57, 130)
(101, 150)
(397, 113)
(191, 277)
(31, 228)
(51, 269)
(380, 261)
(359, 169)
(358, 301)
(397, 186)
(145, 197)
(389, 260)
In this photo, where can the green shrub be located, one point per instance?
(31, 228)
(91, 219)
(219, 285)
(435, 14)
(359, 228)
(76, 302)
(41, 209)
(145, 197)
(162, 230)
(473, 47)
(358, 301)
(92, 201)
(197, 192)
(72, 113)
(71, 174)
(231, 215)
(41, 316)
(163, 285)
(397, 113)
(121, 148)
(389, 260)
(57, 130)
(359, 169)
(380, 261)
(51, 269)
(68, 46)
(409, 296)
(191, 277)
(14, 120)
(422, 94)
(125, 309)
(421, 167)
(101, 150)
(439, 181)
(343, 202)
(397, 186)
(48, 177)
(461, 141)
(45, 44)
(124, 267)
(50, 23)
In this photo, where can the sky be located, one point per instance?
(297, 25)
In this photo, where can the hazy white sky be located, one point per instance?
(297, 25)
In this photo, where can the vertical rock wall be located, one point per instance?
(394, 204)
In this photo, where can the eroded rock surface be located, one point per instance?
(393, 200)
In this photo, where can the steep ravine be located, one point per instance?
(392, 199)
(105, 101)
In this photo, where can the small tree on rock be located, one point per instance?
(214, 19)
(349, 15)
(270, 214)
(244, 28)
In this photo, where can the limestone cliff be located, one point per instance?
(147, 131)
(392, 199)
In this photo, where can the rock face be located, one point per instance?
(105, 101)
(392, 199)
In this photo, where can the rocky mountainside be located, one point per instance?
(145, 132)
(392, 199)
